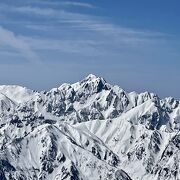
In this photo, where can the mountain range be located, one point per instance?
(89, 130)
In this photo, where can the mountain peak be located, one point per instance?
(91, 77)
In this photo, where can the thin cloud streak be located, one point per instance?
(8, 38)
(35, 10)
(85, 22)
(83, 47)
(80, 4)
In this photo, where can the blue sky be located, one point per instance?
(135, 44)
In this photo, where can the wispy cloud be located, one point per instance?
(90, 33)
(80, 4)
(116, 32)
(83, 47)
(35, 10)
(79, 20)
(58, 14)
(8, 38)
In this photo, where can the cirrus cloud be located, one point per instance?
(8, 38)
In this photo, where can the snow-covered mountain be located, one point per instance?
(89, 130)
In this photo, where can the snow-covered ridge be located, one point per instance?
(88, 130)
(90, 99)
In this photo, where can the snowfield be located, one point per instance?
(89, 130)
